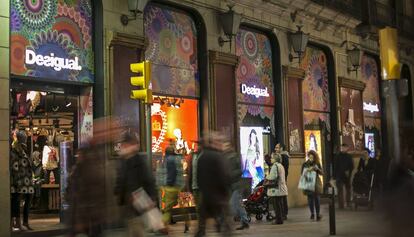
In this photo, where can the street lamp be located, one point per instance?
(230, 22)
(134, 6)
(299, 42)
(354, 56)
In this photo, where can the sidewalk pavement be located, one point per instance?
(348, 223)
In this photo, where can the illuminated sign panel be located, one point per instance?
(52, 40)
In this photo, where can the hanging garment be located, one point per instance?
(50, 158)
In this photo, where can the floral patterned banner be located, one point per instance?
(315, 85)
(52, 39)
(369, 74)
(172, 49)
(254, 72)
(257, 115)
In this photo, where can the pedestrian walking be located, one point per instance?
(134, 174)
(213, 182)
(313, 164)
(174, 185)
(236, 189)
(344, 166)
(277, 189)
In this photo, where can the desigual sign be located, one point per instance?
(253, 90)
(371, 107)
(51, 61)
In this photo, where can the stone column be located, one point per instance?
(4, 119)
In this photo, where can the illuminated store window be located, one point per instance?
(256, 101)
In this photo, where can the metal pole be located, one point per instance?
(148, 133)
(332, 221)
(390, 92)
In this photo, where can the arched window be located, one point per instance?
(255, 99)
(371, 102)
(172, 50)
(316, 100)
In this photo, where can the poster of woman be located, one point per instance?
(251, 145)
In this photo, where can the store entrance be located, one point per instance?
(48, 119)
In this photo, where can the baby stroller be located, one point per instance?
(362, 189)
(257, 203)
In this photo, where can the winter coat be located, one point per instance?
(214, 180)
(277, 172)
(20, 170)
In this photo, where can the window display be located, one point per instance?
(174, 121)
(370, 143)
(313, 142)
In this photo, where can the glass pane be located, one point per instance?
(172, 43)
(315, 85)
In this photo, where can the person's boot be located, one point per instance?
(318, 217)
(186, 227)
(27, 226)
(243, 226)
(200, 233)
(15, 224)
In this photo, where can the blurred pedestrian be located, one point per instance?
(213, 182)
(236, 187)
(277, 189)
(21, 181)
(283, 155)
(400, 190)
(344, 166)
(134, 174)
(313, 164)
(174, 185)
(86, 192)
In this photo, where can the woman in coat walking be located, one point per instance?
(313, 164)
(277, 189)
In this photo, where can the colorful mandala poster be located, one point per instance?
(52, 39)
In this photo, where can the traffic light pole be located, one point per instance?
(148, 133)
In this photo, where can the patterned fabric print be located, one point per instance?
(172, 49)
(250, 115)
(20, 171)
(255, 67)
(369, 72)
(60, 28)
(315, 86)
(86, 116)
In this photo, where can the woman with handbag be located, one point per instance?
(313, 164)
(277, 189)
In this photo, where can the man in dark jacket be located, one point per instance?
(343, 171)
(133, 174)
(214, 184)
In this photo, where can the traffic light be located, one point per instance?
(143, 81)
(390, 65)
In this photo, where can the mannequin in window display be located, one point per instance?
(50, 161)
(313, 145)
(252, 159)
(181, 145)
(20, 180)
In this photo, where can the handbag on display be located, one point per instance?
(307, 181)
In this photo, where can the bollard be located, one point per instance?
(332, 224)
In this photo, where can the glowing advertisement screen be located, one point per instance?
(370, 143)
(251, 146)
(52, 40)
(313, 142)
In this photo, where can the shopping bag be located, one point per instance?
(307, 181)
(152, 216)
